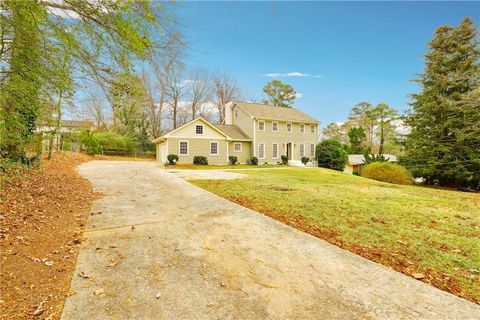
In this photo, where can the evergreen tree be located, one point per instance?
(279, 94)
(444, 144)
(331, 154)
(382, 116)
(357, 137)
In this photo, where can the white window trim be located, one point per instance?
(237, 151)
(300, 128)
(259, 125)
(291, 127)
(300, 147)
(258, 149)
(218, 148)
(312, 154)
(278, 150)
(199, 125)
(272, 126)
(188, 148)
(312, 126)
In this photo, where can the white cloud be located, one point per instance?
(298, 95)
(294, 74)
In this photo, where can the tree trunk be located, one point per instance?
(382, 140)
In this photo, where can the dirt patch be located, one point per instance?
(42, 217)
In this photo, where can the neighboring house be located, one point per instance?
(67, 127)
(356, 161)
(250, 129)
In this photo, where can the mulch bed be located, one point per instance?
(42, 217)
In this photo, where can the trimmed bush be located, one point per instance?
(305, 160)
(232, 160)
(331, 154)
(284, 159)
(200, 160)
(253, 161)
(387, 172)
(172, 159)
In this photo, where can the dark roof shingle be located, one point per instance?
(232, 131)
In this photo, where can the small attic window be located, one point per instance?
(199, 129)
(236, 113)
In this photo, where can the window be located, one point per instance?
(302, 150)
(199, 129)
(275, 126)
(302, 128)
(289, 127)
(312, 128)
(261, 125)
(213, 148)
(237, 147)
(261, 151)
(183, 147)
(275, 151)
(312, 150)
(236, 113)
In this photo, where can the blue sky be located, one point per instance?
(353, 51)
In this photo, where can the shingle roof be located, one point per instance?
(264, 111)
(232, 131)
(360, 159)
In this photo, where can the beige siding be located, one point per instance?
(242, 156)
(243, 121)
(282, 137)
(189, 131)
(199, 147)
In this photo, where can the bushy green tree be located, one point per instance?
(331, 154)
(356, 137)
(279, 94)
(97, 37)
(444, 144)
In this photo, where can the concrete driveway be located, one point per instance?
(193, 255)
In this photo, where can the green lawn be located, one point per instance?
(408, 228)
(212, 167)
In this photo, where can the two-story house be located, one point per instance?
(250, 130)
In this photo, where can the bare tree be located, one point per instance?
(175, 90)
(95, 110)
(200, 91)
(225, 90)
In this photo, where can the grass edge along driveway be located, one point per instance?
(431, 234)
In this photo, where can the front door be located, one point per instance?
(289, 151)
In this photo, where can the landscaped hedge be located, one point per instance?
(387, 172)
(253, 161)
(172, 159)
(201, 160)
(232, 160)
(113, 141)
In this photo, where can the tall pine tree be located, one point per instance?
(444, 144)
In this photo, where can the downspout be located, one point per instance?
(254, 139)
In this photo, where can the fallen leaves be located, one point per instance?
(43, 212)
(99, 292)
(418, 275)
